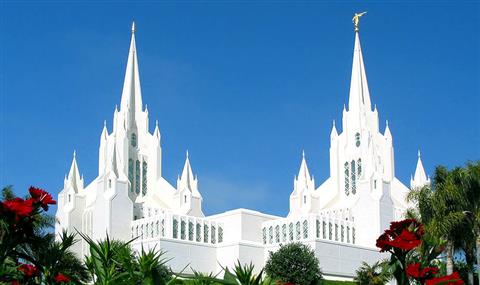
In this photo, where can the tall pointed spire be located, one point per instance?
(359, 97)
(131, 102)
(303, 181)
(420, 178)
(74, 179)
(187, 180)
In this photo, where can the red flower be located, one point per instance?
(414, 271)
(42, 196)
(28, 270)
(15, 282)
(21, 208)
(60, 278)
(452, 279)
(404, 235)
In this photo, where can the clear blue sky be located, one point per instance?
(244, 86)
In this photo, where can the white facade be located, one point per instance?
(340, 219)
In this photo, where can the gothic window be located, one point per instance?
(353, 235)
(109, 183)
(342, 234)
(297, 231)
(157, 228)
(277, 234)
(163, 228)
(185, 199)
(284, 232)
(375, 184)
(354, 177)
(324, 229)
(264, 230)
(151, 230)
(144, 178)
(199, 228)
(348, 234)
(305, 229)
(190, 231)
(220, 234)
(330, 230)
(290, 231)
(137, 177)
(175, 228)
(304, 199)
(183, 226)
(318, 228)
(130, 173)
(336, 232)
(205, 233)
(69, 198)
(134, 140)
(357, 139)
(347, 179)
(359, 167)
(213, 235)
(270, 235)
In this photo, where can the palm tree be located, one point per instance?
(376, 274)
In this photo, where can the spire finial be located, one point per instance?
(187, 153)
(104, 123)
(333, 123)
(133, 27)
(156, 123)
(303, 153)
(419, 154)
(356, 19)
(74, 153)
(386, 122)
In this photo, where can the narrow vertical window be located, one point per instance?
(304, 199)
(144, 177)
(137, 177)
(354, 177)
(357, 139)
(69, 198)
(347, 179)
(134, 140)
(130, 173)
(359, 167)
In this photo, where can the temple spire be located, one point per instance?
(74, 179)
(187, 180)
(359, 97)
(420, 178)
(303, 181)
(131, 102)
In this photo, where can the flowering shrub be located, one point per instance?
(401, 240)
(21, 239)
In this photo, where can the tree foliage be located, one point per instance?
(294, 263)
(375, 274)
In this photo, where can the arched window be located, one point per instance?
(347, 179)
(354, 177)
(144, 178)
(130, 173)
(137, 177)
(134, 140)
(359, 167)
(357, 139)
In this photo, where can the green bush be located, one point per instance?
(294, 263)
(334, 282)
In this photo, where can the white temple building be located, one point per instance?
(340, 219)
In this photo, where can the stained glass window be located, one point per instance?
(318, 228)
(134, 140)
(264, 230)
(357, 139)
(347, 179)
(284, 232)
(205, 233)
(305, 229)
(348, 234)
(137, 177)
(270, 235)
(359, 167)
(144, 178)
(342, 235)
(130, 173)
(290, 231)
(190, 231)
(175, 228)
(336, 232)
(199, 234)
(183, 233)
(324, 229)
(277, 234)
(354, 177)
(297, 231)
(330, 231)
(220, 234)
(214, 234)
